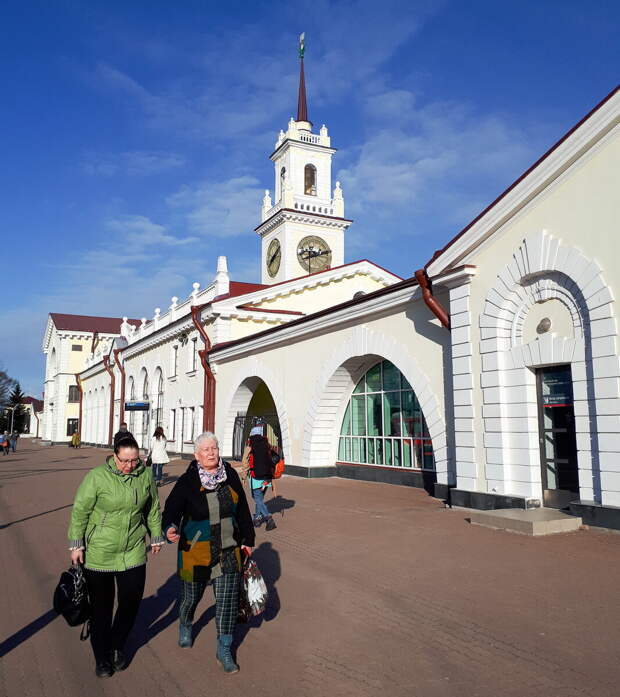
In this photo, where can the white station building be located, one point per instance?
(491, 376)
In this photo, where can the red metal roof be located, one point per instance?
(87, 323)
(36, 403)
(237, 288)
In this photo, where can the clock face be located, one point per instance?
(274, 257)
(314, 254)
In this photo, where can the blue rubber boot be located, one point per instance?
(185, 636)
(224, 656)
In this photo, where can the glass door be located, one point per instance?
(558, 444)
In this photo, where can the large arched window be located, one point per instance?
(310, 180)
(383, 423)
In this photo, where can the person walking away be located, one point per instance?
(116, 505)
(122, 433)
(5, 443)
(208, 515)
(14, 439)
(159, 456)
(261, 475)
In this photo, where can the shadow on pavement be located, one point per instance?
(157, 613)
(36, 515)
(26, 632)
(278, 504)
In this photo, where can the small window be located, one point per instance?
(72, 426)
(76, 347)
(194, 353)
(74, 393)
(282, 181)
(174, 361)
(310, 180)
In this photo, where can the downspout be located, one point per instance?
(121, 367)
(110, 369)
(34, 411)
(78, 380)
(208, 411)
(431, 301)
(94, 343)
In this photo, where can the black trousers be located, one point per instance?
(107, 634)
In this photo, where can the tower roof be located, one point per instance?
(302, 102)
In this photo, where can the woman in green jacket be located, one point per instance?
(114, 508)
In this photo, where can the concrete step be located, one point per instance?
(537, 521)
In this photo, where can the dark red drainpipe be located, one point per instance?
(78, 380)
(431, 301)
(121, 367)
(110, 369)
(208, 410)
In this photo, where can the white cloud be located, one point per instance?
(220, 209)
(426, 164)
(132, 163)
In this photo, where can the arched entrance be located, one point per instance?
(252, 404)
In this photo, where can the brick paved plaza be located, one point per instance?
(375, 590)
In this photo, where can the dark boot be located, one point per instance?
(271, 524)
(224, 656)
(103, 669)
(118, 660)
(185, 636)
(258, 521)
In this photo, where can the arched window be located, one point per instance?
(159, 408)
(383, 423)
(282, 181)
(310, 180)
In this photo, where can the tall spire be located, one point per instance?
(302, 104)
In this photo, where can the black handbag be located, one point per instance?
(71, 599)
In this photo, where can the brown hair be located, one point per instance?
(159, 433)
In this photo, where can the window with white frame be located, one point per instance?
(173, 424)
(383, 423)
(174, 361)
(193, 353)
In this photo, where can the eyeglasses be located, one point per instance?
(133, 461)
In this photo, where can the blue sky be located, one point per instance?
(136, 134)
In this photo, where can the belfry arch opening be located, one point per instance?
(310, 180)
(253, 405)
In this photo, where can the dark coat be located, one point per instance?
(212, 524)
(262, 465)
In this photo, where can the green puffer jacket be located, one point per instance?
(111, 516)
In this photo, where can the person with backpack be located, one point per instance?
(4, 443)
(259, 456)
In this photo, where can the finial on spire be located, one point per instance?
(302, 104)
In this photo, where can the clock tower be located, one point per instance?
(302, 228)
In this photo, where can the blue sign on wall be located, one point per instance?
(137, 406)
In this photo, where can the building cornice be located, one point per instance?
(302, 145)
(304, 217)
(318, 322)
